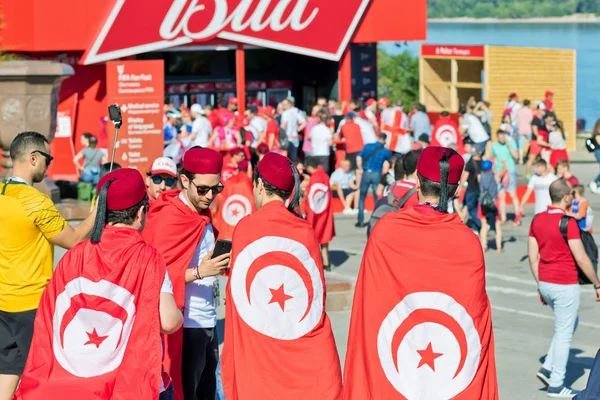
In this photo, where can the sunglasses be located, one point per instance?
(157, 180)
(203, 190)
(47, 156)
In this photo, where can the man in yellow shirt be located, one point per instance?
(31, 226)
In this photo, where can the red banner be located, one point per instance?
(430, 50)
(256, 85)
(201, 87)
(176, 88)
(226, 86)
(62, 146)
(138, 88)
(280, 84)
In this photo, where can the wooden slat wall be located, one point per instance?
(529, 72)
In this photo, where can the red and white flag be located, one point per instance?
(234, 203)
(421, 324)
(445, 133)
(276, 321)
(97, 329)
(319, 210)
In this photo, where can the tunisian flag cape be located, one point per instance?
(234, 203)
(421, 325)
(97, 329)
(319, 211)
(175, 231)
(278, 339)
(445, 132)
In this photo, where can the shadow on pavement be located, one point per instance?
(338, 257)
(576, 366)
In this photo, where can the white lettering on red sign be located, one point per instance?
(288, 25)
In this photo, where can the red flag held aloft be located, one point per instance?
(445, 133)
(234, 203)
(421, 324)
(278, 339)
(319, 211)
(97, 329)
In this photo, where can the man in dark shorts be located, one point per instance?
(31, 226)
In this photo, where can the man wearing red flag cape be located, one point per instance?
(104, 309)
(319, 210)
(180, 227)
(278, 339)
(421, 324)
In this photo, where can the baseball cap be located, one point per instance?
(512, 96)
(549, 93)
(197, 108)
(253, 109)
(384, 102)
(164, 165)
(370, 102)
(173, 114)
(233, 100)
(351, 114)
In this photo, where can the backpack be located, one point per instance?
(591, 249)
(283, 139)
(393, 204)
(486, 201)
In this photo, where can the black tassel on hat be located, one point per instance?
(101, 213)
(294, 206)
(444, 171)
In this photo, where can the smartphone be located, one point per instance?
(114, 113)
(222, 247)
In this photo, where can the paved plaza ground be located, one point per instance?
(522, 327)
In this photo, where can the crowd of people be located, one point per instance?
(261, 184)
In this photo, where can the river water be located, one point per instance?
(583, 37)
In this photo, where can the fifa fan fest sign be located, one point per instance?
(316, 28)
(138, 88)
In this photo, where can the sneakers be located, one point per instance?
(562, 392)
(594, 187)
(544, 375)
(347, 211)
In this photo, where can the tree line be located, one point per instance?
(510, 8)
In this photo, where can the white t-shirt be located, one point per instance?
(202, 128)
(320, 135)
(256, 126)
(293, 117)
(541, 187)
(167, 286)
(199, 307)
(474, 128)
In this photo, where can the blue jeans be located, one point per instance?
(220, 394)
(369, 179)
(90, 175)
(472, 203)
(293, 150)
(167, 394)
(564, 301)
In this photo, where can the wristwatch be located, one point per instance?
(196, 273)
(596, 286)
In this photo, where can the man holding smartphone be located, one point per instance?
(180, 226)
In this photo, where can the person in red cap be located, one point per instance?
(271, 137)
(276, 320)
(180, 227)
(230, 168)
(548, 100)
(105, 308)
(161, 177)
(371, 113)
(421, 324)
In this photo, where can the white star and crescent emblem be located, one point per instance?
(235, 208)
(318, 197)
(428, 347)
(277, 288)
(446, 135)
(91, 326)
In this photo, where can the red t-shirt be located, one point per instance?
(572, 180)
(272, 129)
(557, 264)
(354, 141)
